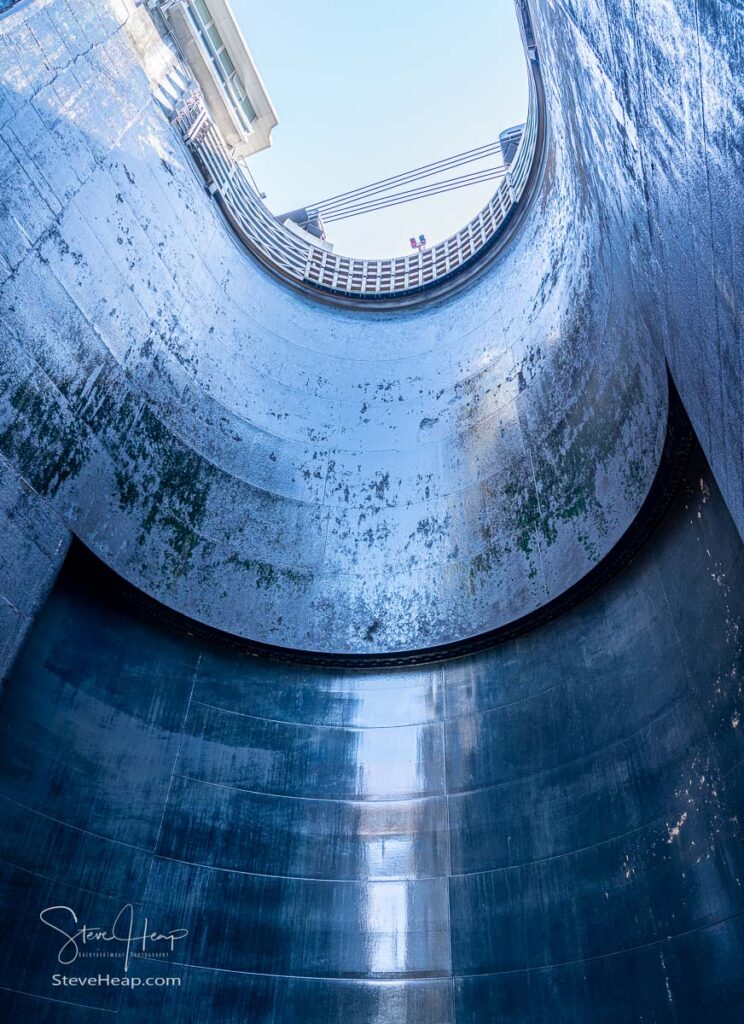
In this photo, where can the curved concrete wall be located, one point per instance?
(288, 471)
(544, 832)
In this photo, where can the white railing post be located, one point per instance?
(273, 242)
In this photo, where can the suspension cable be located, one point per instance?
(412, 195)
(407, 177)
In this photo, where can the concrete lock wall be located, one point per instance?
(546, 829)
(325, 479)
(303, 475)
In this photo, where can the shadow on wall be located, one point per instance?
(355, 846)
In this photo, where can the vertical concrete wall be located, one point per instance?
(402, 480)
(548, 831)
(391, 495)
(33, 544)
(662, 83)
(304, 475)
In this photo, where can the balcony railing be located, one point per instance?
(300, 260)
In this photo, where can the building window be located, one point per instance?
(223, 65)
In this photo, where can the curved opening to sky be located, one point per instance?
(367, 91)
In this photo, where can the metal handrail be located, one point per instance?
(309, 264)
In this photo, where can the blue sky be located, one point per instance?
(366, 90)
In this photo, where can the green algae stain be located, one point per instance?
(43, 445)
(568, 466)
(268, 576)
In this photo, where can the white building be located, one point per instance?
(219, 58)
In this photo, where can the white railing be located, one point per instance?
(301, 260)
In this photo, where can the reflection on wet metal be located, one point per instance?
(540, 838)
(385, 927)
